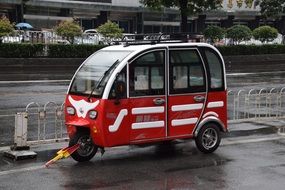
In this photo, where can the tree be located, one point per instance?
(110, 31)
(186, 7)
(214, 33)
(68, 29)
(249, 3)
(239, 33)
(6, 27)
(265, 33)
(272, 8)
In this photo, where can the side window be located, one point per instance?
(216, 71)
(147, 74)
(122, 76)
(186, 72)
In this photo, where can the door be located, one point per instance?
(187, 91)
(147, 96)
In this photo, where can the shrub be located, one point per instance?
(79, 51)
(21, 50)
(239, 33)
(251, 49)
(214, 33)
(83, 51)
(68, 29)
(265, 33)
(110, 31)
(54, 50)
(5, 27)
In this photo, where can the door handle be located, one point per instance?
(199, 98)
(158, 101)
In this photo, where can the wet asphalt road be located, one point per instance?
(177, 166)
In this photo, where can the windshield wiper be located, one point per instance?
(103, 77)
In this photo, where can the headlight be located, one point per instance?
(93, 114)
(70, 110)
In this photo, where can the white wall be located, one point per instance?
(126, 3)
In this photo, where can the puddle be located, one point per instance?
(198, 165)
(96, 185)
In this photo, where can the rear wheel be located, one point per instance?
(208, 138)
(87, 149)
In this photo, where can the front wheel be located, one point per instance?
(208, 138)
(87, 148)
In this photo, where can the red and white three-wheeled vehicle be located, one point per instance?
(147, 93)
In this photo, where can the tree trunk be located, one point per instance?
(184, 15)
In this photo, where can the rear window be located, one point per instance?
(216, 69)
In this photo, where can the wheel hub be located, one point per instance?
(209, 138)
(86, 146)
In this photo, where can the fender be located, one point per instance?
(207, 120)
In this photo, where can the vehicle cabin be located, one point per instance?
(137, 94)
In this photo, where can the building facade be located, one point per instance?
(132, 16)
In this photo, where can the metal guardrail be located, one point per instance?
(40, 124)
(49, 37)
(253, 105)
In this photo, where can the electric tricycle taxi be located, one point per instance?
(138, 94)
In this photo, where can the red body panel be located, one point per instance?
(220, 111)
(110, 129)
(179, 114)
(149, 125)
(95, 125)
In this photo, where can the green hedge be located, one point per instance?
(53, 50)
(83, 51)
(80, 51)
(251, 49)
(21, 50)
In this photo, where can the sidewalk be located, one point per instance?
(246, 132)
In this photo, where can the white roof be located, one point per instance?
(148, 46)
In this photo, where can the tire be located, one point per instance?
(208, 138)
(87, 149)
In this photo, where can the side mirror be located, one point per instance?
(120, 90)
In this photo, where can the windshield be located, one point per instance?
(96, 71)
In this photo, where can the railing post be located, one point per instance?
(20, 136)
(20, 150)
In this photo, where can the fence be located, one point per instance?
(252, 105)
(49, 37)
(40, 124)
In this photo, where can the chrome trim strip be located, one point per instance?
(216, 104)
(188, 121)
(207, 120)
(148, 110)
(148, 125)
(187, 107)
